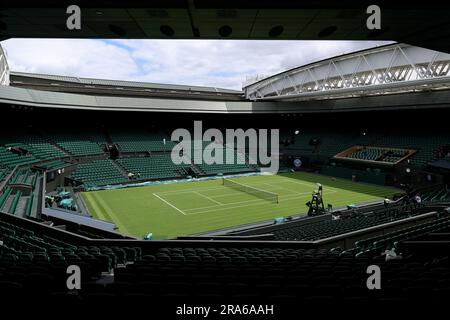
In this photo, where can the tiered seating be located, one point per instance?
(54, 164)
(247, 272)
(32, 262)
(300, 142)
(389, 240)
(240, 161)
(142, 142)
(3, 173)
(10, 159)
(394, 157)
(423, 142)
(7, 191)
(38, 147)
(329, 228)
(157, 166)
(14, 201)
(372, 154)
(378, 154)
(4, 196)
(333, 142)
(78, 144)
(326, 229)
(99, 172)
(440, 195)
(28, 258)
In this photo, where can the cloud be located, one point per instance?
(219, 63)
(83, 58)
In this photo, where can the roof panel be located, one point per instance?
(122, 83)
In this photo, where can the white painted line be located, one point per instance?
(249, 203)
(169, 204)
(235, 193)
(225, 207)
(239, 206)
(282, 188)
(231, 193)
(189, 190)
(253, 202)
(311, 184)
(210, 199)
(226, 204)
(278, 180)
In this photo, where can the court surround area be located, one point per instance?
(170, 210)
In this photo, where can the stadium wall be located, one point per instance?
(353, 174)
(47, 99)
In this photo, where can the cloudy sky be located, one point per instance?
(219, 63)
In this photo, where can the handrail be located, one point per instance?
(8, 177)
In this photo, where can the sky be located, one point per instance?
(216, 63)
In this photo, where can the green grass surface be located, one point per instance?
(187, 208)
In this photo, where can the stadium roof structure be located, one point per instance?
(395, 76)
(418, 23)
(121, 83)
(394, 68)
(47, 99)
(58, 83)
(23, 98)
(4, 68)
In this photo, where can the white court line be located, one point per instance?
(253, 202)
(204, 196)
(227, 205)
(275, 181)
(190, 190)
(169, 204)
(283, 197)
(241, 192)
(235, 207)
(205, 189)
(278, 187)
(326, 188)
(305, 184)
(284, 180)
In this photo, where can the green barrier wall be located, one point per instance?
(361, 175)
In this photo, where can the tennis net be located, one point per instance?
(263, 194)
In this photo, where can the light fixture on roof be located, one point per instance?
(408, 170)
(296, 132)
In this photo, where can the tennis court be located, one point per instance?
(255, 191)
(187, 208)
